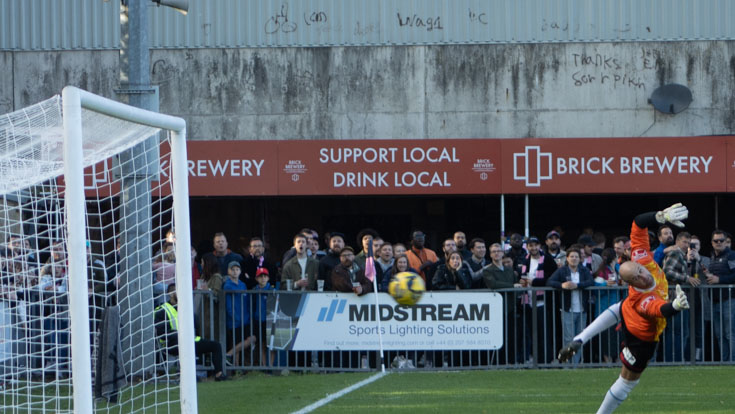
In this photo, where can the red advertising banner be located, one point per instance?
(615, 165)
(375, 167)
(456, 166)
(232, 168)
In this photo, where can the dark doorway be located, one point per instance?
(277, 219)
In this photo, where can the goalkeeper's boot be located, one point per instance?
(566, 353)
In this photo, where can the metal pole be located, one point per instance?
(502, 220)
(138, 164)
(525, 215)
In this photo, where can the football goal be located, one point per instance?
(94, 225)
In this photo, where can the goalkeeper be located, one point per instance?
(642, 313)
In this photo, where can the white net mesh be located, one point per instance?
(129, 212)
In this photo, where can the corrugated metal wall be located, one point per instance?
(94, 24)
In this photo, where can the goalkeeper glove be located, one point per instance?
(681, 301)
(674, 215)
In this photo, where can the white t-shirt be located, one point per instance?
(532, 268)
(576, 294)
(302, 263)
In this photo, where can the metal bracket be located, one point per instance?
(135, 91)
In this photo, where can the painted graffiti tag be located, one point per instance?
(280, 22)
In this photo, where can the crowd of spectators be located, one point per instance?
(520, 264)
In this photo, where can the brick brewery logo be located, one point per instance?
(483, 166)
(532, 166)
(294, 167)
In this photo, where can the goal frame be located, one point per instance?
(73, 100)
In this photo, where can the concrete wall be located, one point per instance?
(471, 91)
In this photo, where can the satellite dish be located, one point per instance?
(671, 99)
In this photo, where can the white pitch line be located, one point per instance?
(331, 397)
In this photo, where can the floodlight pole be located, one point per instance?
(134, 295)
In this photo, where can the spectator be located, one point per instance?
(399, 249)
(420, 257)
(196, 268)
(600, 240)
(347, 276)
(328, 262)
(665, 243)
(675, 268)
(166, 321)
(607, 276)
(223, 255)
(97, 288)
(448, 247)
(508, 262)
(237, 305)
(53, 273)
(384, 266)
(254, 260)
(460, 240)
(721, 271)
(477, 261)
(363, 238)
(164, 266)
(621, 245)
(536, 268)
(260, 308)
(292, 251)
(496, 275)
(212, 281)
(21, 248)
(553, 248)
(452, 275)
(517, 252)
(314, 246)
(701, 302)
(572, 279)
(589, 258)
(400, 264)
(302, 270)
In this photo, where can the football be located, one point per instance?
(407, 288)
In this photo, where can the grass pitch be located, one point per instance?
(661, 390)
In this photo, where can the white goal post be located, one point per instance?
(65, 209)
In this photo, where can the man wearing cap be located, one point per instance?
(347, 276)
(591, 260)
(301, 269)
(328, 262)
(553, 248)
(364, 237)
(536, 268)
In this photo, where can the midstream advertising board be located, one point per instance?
(345, 321)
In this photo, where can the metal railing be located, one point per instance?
(532, 334)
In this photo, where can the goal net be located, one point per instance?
(94, 228)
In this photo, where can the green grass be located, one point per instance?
(661, 390)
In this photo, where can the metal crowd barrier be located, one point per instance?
(532, 335)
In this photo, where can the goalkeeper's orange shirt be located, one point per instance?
(641, 310)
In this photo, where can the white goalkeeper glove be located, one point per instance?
(681, 301)
(674, 215)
